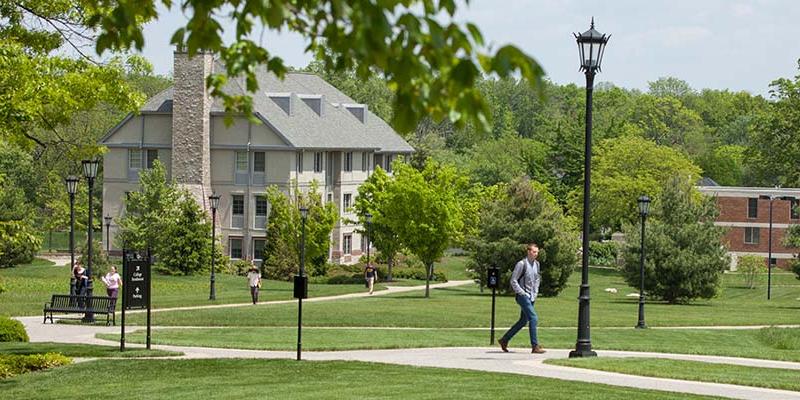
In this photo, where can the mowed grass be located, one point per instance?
(29, 286)
(284, 379)
(729, 342)
(81, 350)
(772, 378)
(466, 306)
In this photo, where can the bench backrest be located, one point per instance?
(97, 302)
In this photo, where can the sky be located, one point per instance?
(718, 44)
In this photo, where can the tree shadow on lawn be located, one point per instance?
(658, 302)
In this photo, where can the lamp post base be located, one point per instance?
(641, 325)
(580, 353)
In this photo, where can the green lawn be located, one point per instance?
(283, 379)
(731, 342)
(773, 378)
(466, 306)
(80, 350)
(28, 287)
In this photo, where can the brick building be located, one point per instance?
(745, 212)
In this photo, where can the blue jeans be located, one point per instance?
(526, 315)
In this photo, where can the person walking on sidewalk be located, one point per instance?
(370, 276)
(113, 282)
(525, 282)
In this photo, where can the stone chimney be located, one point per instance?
(191, 154)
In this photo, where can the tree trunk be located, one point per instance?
(428, 280)
(390, 261)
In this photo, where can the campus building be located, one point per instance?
(307, 131)
(744, 211)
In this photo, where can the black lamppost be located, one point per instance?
(214, 199)
(89, 172)
(72, 188)
(644, 206)
(591, 45)
(771, 198)
(108, 233)
(368, 218)
(300, 280)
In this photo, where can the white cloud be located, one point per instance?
(742, 10)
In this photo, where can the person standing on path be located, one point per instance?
(254, 279)
(525, 282)
(113, 281)
(370, 275)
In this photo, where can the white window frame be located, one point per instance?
(754, 235)
(347, 202)
(318, 161)
(347, 244)
(237, 219)
(348, 161)
(230, 247)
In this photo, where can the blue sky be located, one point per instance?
(719, 44)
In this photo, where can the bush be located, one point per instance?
(603, 253)
(796, 268)
(750, 266)
(12, 330)
(418, 274)
(100, 262)
(18, 243)
(14, 364)
(238, 267)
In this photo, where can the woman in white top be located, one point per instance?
(113, 282)
(254, 279)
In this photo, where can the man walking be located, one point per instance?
(525, 282)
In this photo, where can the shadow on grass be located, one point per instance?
(658, 303)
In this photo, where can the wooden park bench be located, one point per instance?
(65, 303)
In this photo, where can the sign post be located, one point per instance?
(492, 280)
(135, 288)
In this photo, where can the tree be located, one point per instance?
(725, 165)
(423, 209)
(18, 240)
(185, 245)
(624, 169)
(517, 214)
(373, 199)
(669, 87)
(148, 211)
(684, 259)
(775, 139)
(430, 63)
(284, 225)
(42, 89)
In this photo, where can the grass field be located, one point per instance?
(773, 378)
(763, 343)
(28, 287)
(466, 306)
(282, 379)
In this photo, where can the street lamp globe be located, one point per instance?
(90, 168)
(214, 198)
(304, 212)
(591, 45)
(644, 205)
(72, 184)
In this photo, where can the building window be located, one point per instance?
(259, 162)
(773, 261)
(347, 244)
(752, 235)
(752, 208)
(300, 162)
(364, 161)
(330, 198)
(364, 243)
(348, 201)
(318, 161)
(235, 248)
(258, 248)
(237, 211)
(134, 159)
(241, 168)
(348, 161)
(389, 159)
(794, 212)
(261, 213)
(152, 156)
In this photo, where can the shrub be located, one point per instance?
(750, 266)
(100, 262)
(603, 253)
(15, 364)
(12, 330)
(18, 243)
(796, 268)
(238, 267)
(417, 273)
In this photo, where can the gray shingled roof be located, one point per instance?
(336, 128)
